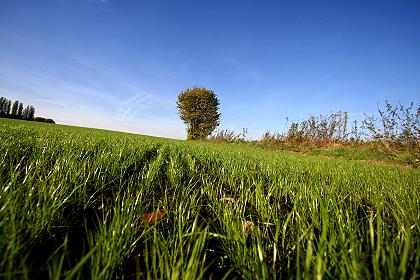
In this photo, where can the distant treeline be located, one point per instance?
(16, 110)
(40, 119)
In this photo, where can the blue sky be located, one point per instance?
(120, 65)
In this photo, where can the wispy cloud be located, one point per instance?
(84, 105)
(129, 108)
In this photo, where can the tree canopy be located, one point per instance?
(198, 108)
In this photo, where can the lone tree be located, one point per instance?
(198, 109)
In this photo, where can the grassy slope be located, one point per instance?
(372, 152)
(72, 200)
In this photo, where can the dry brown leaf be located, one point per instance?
(153, 216)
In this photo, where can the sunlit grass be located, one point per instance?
(72, 203)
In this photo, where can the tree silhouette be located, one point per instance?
(20, 110)
(25, 113)
(15, 108)
(2, 105)
(31, 113)
(8, 107)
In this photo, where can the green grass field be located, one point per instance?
(72, 202)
